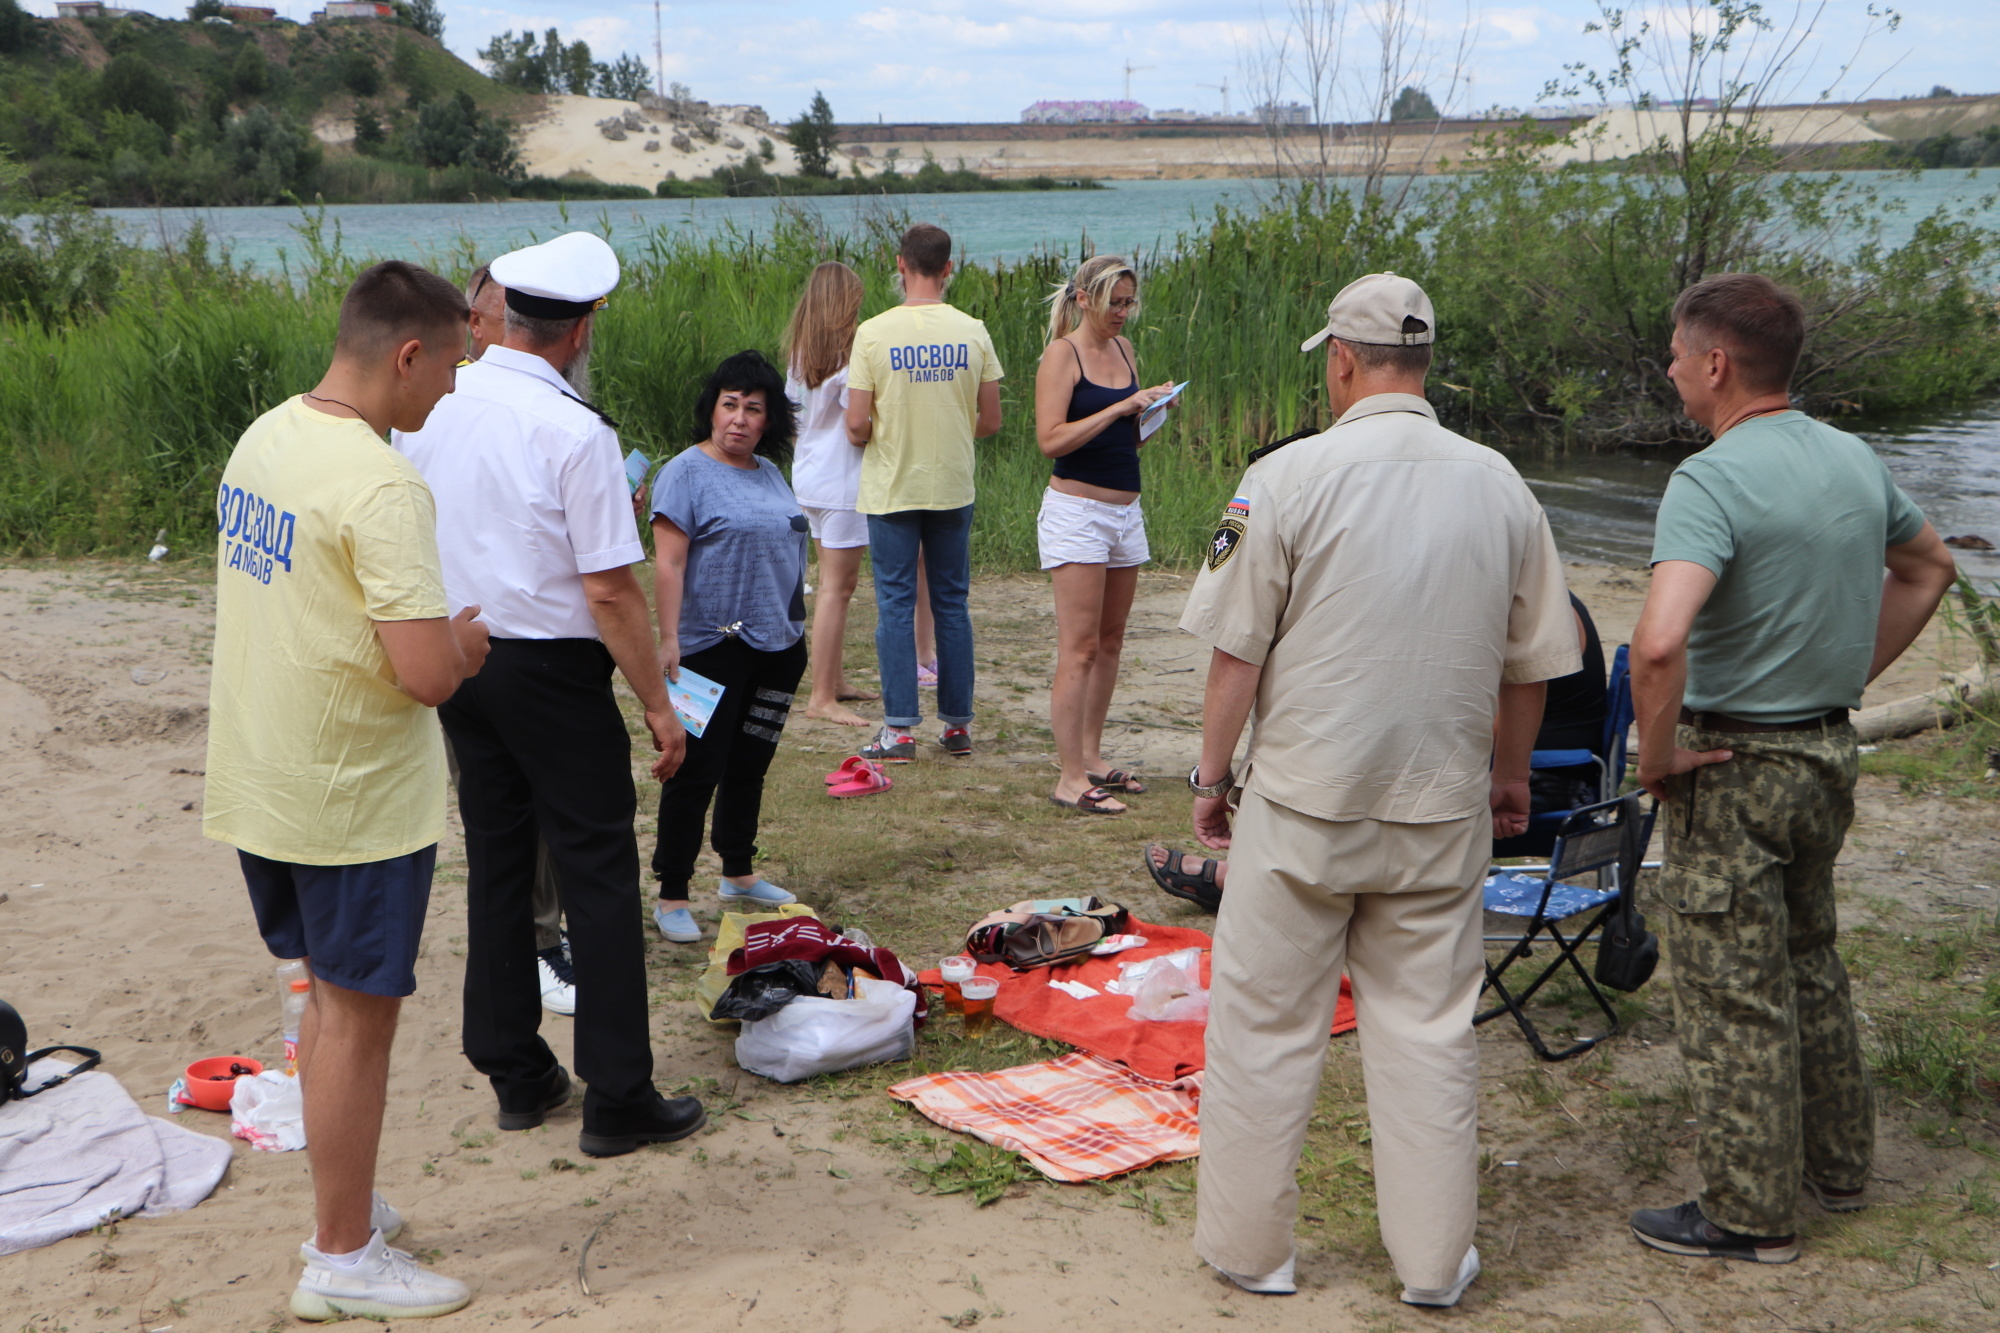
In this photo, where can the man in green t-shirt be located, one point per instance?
(1768, 614)
(923, 383)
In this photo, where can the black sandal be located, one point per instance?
(1119, 780)
(1201, 890)
(1091, 802)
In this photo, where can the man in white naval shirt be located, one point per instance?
(535, 525)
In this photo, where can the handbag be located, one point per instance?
(1023, 938)
(15, 1057)
(1627, 952)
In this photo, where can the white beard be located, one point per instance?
(577, 372)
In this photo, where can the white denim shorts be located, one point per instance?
(837, 529)
(1074, 531)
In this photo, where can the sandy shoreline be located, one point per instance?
(126, 930)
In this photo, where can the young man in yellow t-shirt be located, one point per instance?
(325, 763)
(922, 384)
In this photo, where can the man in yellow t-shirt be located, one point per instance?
(922, 384)
(325, 764)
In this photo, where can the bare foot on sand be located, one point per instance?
(848, 694)
(836, 713)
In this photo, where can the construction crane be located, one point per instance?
(1223, 88)
(1130, 70)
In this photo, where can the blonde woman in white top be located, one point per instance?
(826, 478)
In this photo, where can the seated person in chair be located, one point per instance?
(1573, 719)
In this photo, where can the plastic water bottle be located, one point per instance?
(295, 986)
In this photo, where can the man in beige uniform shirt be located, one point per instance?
(1388, 596)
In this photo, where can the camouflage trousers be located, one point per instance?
(1760, 995)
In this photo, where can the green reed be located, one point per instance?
(1552, 290)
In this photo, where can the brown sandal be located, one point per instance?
(1090, 802)
(1125, 781)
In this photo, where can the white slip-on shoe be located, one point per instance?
(385, 1284)
(558, 980)
(1468, 1269)
(1278, 1282)
(382, 1215)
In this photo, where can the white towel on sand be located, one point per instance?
(84, 1152)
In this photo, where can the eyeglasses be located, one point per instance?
(1125, 307)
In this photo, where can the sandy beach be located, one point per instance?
(124, 929)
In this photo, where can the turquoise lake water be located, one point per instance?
(1601, 504)
(1127, 217)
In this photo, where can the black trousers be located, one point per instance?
(542, 748)
(727, 761)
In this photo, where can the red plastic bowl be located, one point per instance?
(210, 1092)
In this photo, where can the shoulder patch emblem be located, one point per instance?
(1228, 536)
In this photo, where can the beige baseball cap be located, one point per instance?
(1379, 308)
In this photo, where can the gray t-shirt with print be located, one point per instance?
(746, 562)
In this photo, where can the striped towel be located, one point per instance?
(1076, 1117)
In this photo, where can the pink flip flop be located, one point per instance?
(870, 780)
(850, 767)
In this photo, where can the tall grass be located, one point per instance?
(117, 412)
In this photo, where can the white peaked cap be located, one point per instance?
(558, 279)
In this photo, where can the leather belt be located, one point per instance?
(1723, 722)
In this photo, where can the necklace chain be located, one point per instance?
(337, 403)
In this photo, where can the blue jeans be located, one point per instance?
(945, 538)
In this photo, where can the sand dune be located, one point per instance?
(565, 138)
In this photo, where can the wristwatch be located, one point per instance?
(1221, 787)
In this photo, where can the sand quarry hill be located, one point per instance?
(565, 138)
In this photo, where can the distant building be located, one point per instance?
(249, 14)
(1176, 113)
(88, 9)
(344, 11)
(1082, 113)
(1285, 113)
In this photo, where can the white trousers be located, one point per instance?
(1398, 907)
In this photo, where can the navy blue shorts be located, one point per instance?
(360, 924)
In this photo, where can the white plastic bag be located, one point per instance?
(1172, 991)
(812, 1035)
(268, 1111)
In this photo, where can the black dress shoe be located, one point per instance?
(1684, 1230)
(558, 1093)
(614, 1131)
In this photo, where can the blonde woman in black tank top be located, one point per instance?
(1091, 532)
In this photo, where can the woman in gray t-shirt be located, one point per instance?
(730, 542)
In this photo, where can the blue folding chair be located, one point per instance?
(1608, 759)
(1595, 841)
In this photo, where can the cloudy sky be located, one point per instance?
(952, 60)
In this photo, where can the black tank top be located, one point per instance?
(1573, 717)
(1111, 457)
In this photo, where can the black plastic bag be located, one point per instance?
(764, 990)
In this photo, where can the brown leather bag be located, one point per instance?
(1023, 938)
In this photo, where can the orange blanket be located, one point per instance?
(1073, 1118)
(1163, 1052)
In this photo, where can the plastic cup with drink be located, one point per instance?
(956, 972)
(978, 994)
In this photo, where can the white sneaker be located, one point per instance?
(1468, 1269)
(382, 1215)
(1280, 1281)
(385, 1284)
(558, 978)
